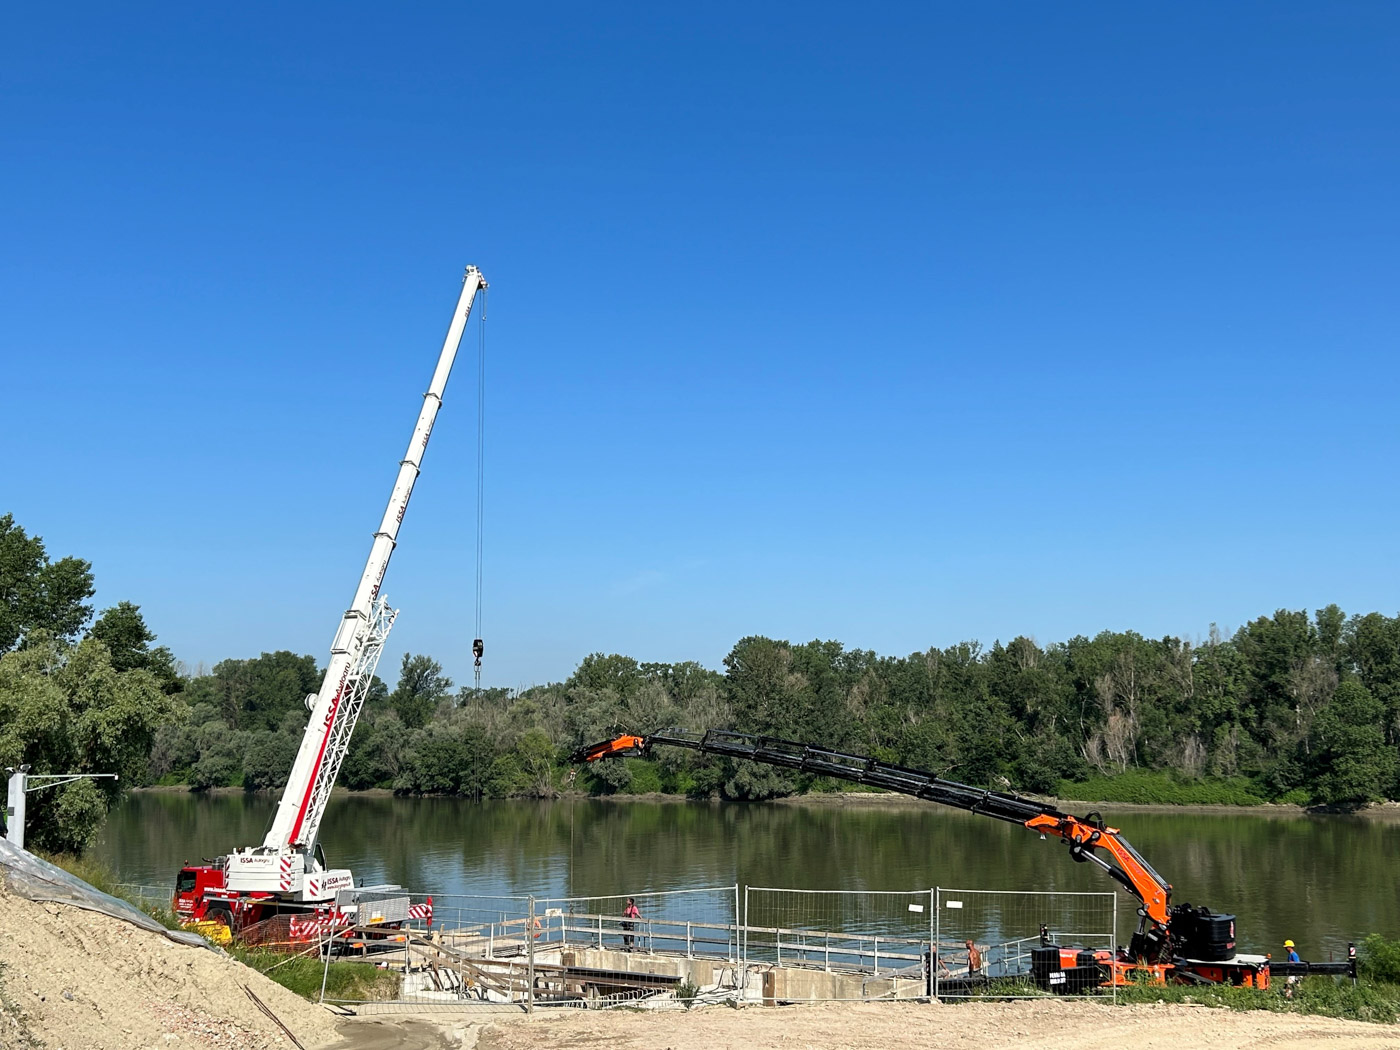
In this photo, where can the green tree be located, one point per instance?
(446, 761)
(267, 761)
(422, 686)
(1353, 764)
(1372, 646)
(258, 693)
(38, 595)
(621, 674)
(122, 629)
(759, 685)
(69, 710)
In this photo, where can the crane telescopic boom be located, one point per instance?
(363, 628)
(288, 861)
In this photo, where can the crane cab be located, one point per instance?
(190, 901)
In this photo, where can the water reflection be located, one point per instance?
(1319, 880)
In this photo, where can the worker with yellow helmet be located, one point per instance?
(1292, 978)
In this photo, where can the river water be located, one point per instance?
(1321, 880)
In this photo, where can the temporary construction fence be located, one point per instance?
(996, 942)
(151, 898)
(813, 945)
(698, 923)
(523, 950)
(742, 944)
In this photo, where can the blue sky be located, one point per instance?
(895, 324)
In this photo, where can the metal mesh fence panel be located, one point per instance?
(822, 945)
(1012, 944)
(464, 951)
(149, 898)
(699, 923)
(636, 948)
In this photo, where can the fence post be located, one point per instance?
(530, 943)
(741, 933)
(325, 949)
(1113, 946)
(937, 936)
(932, 943)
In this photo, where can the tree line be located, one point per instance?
(1291, 707)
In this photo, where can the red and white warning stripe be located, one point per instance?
(308, 926)
(422, 911)
(286, 863)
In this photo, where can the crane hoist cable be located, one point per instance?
(478, 646)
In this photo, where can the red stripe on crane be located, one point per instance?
(321, 754)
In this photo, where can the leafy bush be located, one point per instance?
(646, 779)
(1379, 959)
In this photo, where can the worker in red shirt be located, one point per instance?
(629, 913)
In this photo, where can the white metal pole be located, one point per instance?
(530, 942)
(14, 810)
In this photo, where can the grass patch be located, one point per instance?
(1161, 788)
(1324, 996)
(101, 877)
(358, 981)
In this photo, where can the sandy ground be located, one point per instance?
(987, 1026)
(77, 979)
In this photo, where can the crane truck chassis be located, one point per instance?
(1174, 943)
(288, 872)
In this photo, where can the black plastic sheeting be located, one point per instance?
(37, 880)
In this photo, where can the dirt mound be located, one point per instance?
(80, 980)
(974, 1026)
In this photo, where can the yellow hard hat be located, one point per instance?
(1288, 944)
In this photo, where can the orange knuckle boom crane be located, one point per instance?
(1173, 942)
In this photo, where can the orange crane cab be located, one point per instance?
(1173, 942)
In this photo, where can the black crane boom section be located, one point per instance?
(858, 769)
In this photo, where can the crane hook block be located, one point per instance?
(478, 648)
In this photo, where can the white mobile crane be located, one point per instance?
(289, 868)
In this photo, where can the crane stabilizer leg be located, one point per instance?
(1166, 933)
